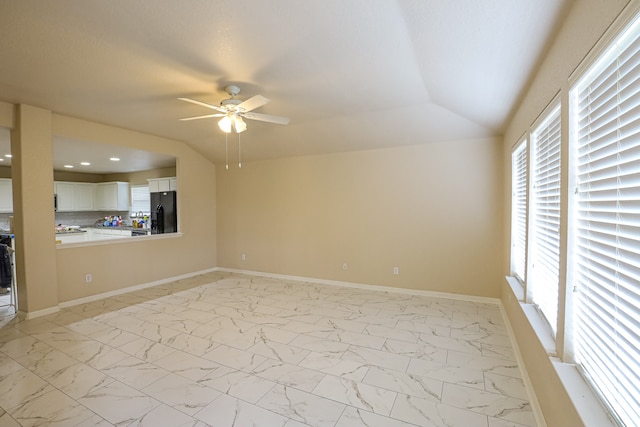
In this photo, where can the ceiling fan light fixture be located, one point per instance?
(225, 124)
(239, 124)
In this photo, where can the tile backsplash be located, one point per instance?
(86, 218)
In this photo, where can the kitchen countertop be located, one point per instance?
(122, 227)
(83, 229)
(74, 231)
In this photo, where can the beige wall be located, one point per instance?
(5, 172)
(140, 178)
(432, 210)
(135, 178)
(586, 23)
(32, 183)
(116, 266)
(139, 261)
(6, 115)
(77, 176)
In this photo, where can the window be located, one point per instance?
(140, 199)
(519, 210)
(605, 224)
(544, 230)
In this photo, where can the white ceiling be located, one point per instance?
(73, 152)
(351, 74)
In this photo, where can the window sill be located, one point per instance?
(590, 409)
(541, 328)
(587, 404)
(538, 323)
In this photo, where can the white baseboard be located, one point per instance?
(134, 288)
(38, 313)
(379, 288)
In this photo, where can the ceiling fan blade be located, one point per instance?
(266, 118)
(253, 103)
(203, 104)
(202, 117)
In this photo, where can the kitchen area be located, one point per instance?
(95, 211)
(100, 194)
(92, 212)
(100, 191)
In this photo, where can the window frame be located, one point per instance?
(565, 339)
(519, 230)
(590, 72)
(539, 257)
(134, 209)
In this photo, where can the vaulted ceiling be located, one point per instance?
(351, 74)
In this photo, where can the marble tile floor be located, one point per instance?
(224, 349)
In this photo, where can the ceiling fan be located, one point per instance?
(233, 111)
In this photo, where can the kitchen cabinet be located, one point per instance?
(83, 196)
(75, 196)
(65, 194)
(87, 196)
(112, 196)
(6, 195)
(162, 184)
(106, 233)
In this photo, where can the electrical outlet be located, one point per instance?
(345, 266)
(88, 278)
(396, 271)
(244, 257)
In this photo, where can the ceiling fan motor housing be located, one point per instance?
(230, 104)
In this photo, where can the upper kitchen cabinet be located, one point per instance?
(112, 196)
(64, 196)
(162, 184)
(84, 196)
(6, 195)
(75, 196)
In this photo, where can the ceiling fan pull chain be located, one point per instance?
(226, 149)
(239, 153)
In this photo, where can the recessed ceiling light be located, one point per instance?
(68, 166)
(85, 163)
(8, 155)
(115, 159)
(1, 160)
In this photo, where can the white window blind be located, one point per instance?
(140, 199)
(544, 230)
(519, 210)
(606, 225)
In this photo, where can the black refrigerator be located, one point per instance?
(164, 212)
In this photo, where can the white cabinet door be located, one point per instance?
(75, 196)
(162, 184)
(105, 196)
(65, 193)
(6, 195)
(83, 196)
(113, 196)
(153, 186)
